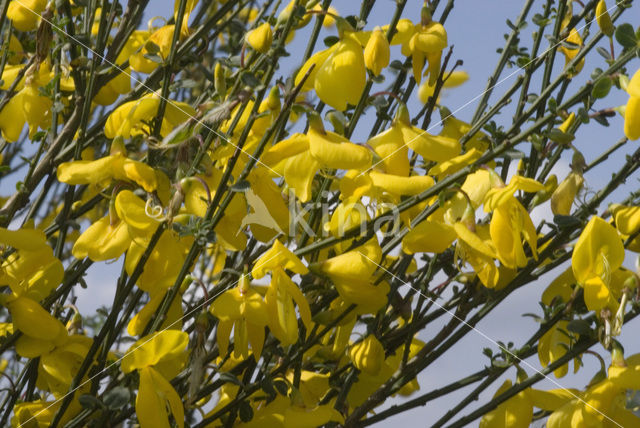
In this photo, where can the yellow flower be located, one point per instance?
(564, 195)
(260, 38)
(598, 253)
(102, 241)
(429, 236)
(283, 413)
(516, 412)
(426, 44)
(554, 344)
(455, 164)
(281, 295)
(431, 147)
(352, 273)
(377, 52)
(243, 310)
(32, 270)
(158, 358)
(604, 19)
(130, 119)
(154, 394)
(162, 38)
(165, 351)
(367, 355)
(339, 75)
(501, 194)
(389, 145)
(561, 287)
(400, 186)
(632, 111)
(27, 106)
(24, 14)
(277, 257)
(509, 225)
(570, 53)
(301, 156)
(334, 151)
(455, 79)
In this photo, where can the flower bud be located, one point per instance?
(377, 53)
(603, 19)
(260, 38)
(219, 80)
(368, 355)
(564, 195)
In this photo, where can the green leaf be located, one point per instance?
(330, 41)
(229, 378)
(557, 136)
(604, 53)
(152, 48)
(626, 36)
(281, 386)
(581, 327)
(249, 79)
(565, 221)
(90, 402)
(601, 88)
(240, 186)
(116, 398)
(245, 412)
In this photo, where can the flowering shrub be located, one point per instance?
(297, 248)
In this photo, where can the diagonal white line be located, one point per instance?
(197, 308)
(141, 83)
(488, 338)
(504, 79)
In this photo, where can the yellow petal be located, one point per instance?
(278, 256)
(341, 78)
(399, 185)
(260, 38)
(86, 172)
(132, 210)
(632, 118)
(149, 351)
(31, 319)
(389, 145)
(154, 393)
(334, 151)
(598, 252)
(429, 237)
(430, 147)
(102, 241)
(12, 118)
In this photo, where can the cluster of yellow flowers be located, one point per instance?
(155, 215)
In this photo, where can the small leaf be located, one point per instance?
(581, 327)
(154, 58)
(626, 36)
(245, 412)
(601, 88)
(117, 397)
(565, 221)
(281, 386)
(229, 378)
(557, 136)
(152, 48)
(240, 186)
(604, 53)
(249, 79)
(90, 402)
(330, 41)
